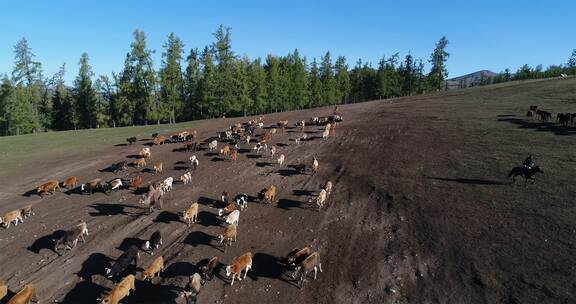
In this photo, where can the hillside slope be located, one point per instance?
(422, 210)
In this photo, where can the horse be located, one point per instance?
(528, 174)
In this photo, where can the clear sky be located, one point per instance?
(489, 35)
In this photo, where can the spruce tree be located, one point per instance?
(438, 72)
(171, 82)
(191, 86)
(328, 81)
(315, 84)
(85, 96)
(257, 77)
(342, 80)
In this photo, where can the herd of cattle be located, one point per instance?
(301, 260)
(565, 119)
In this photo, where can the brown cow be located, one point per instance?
(3, 289)
(24, 296)
(49, 187)
(154, 269)
(190, 215)
(159, 140)
(119, 292)
(244, 262)
(70, 182)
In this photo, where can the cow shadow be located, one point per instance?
(7, 297)
(267, 266)
(76, 190)
(133, 156)
(281, 145)
(147, 292)
(197, 238)
(288, 172)
(206, 219)
(181, 149)
(93, 265)
(180, 168)
(206, 201)
(180, 162)
(129, 242)
(253, 156)
(167, 217)
(29, 193)
(209, 154)
(243, 150)
(109, 209)
(288, 204)
(263, 164)
(179, 269)
(83, 290)
(303, 192)
(46, 242)
(140, 191)
(217, 159)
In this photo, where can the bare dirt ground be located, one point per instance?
(422, 210)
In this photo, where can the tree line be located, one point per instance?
(526, 72)
(200, 83)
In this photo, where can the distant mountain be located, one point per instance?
(469, 80)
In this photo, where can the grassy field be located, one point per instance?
(18, 149)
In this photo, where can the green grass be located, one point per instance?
(18, 149)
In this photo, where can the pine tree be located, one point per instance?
(257, 77)
(224, 75)
(86, 100)
(315, 84)
(298, 90)
(244, 101)
(438, 60)
(328, 81)
(143, 81)
(407, 74)
(171, 83)
(27, 74)
(191, 86)
(273, 83)
(342, 80)
(388, 78)
(207, 87)
(62, 103)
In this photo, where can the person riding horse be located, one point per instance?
(529, 162)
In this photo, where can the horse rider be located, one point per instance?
(529, 162)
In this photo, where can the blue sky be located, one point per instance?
(483, 34)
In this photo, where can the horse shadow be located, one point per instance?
(167, 217)
(540, 126)
(93, 265)
(288, 204)
(206, 219)
(108, 209)
(197, 238)
(266, 266)
(83, 290)
(470, 181)
(179, 269)
(46, 242)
